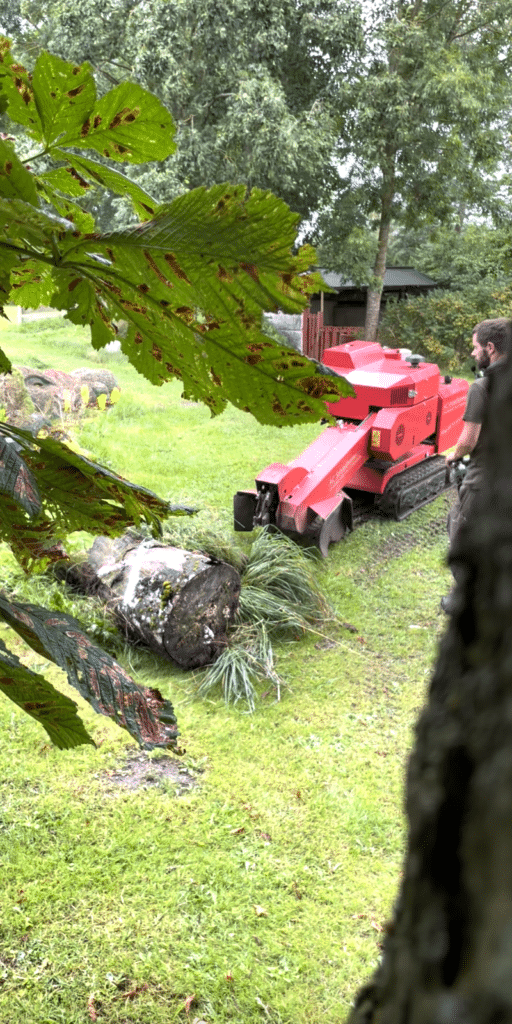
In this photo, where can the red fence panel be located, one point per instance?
(316, 338)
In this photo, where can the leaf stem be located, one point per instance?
(36, 156)
(30, 254)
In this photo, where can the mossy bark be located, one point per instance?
(178, 603)
(374, 292)
(447, 955)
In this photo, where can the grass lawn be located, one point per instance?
(259, 893)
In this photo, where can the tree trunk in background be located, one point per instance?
(447, 956)
(178, 603)
(374, 293)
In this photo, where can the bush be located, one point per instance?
(440, 325)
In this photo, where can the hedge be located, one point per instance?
(440, 325)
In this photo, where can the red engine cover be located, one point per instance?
(396, 431)
(379, 377)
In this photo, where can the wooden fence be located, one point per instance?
(316, 337)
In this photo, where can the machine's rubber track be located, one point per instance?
(413, 488)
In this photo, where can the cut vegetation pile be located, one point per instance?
(251, 882)
(280, 587)
(280, 599)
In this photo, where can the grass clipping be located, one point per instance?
(280, 600)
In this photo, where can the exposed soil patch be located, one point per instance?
(325, 644)
(139, 771)
(410, 534)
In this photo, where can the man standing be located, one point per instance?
(492, 342)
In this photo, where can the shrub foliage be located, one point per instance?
(440, 325)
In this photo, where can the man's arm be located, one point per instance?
(466, 443)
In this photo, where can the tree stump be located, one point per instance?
(178, 603)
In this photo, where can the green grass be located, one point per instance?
(262, 891)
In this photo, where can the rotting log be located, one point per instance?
(447, 953)
(178, 603)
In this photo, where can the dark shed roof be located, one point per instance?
(394, 277)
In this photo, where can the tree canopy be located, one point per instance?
(456, 256)
(359, 116)
(249, 84)
(422, 124)
(190, 281)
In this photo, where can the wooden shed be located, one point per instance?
(335, 317)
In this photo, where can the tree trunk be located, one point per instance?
(447, 956)
(374, 293)
(178, 603)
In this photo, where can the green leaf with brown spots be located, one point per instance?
(86, 173)
(65, 207)
(25, 229)
(39, 699)
(50, 490)
(57, 105)
(65, 95)
(108, 688)
(65, 180)
(15, 181)
(33, 285)
(85, 305)
(8, 261)
(128, 124)
(16, 89)
(191, 285)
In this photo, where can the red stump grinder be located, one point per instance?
(384, 448)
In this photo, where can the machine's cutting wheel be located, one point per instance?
(244, 508)
(331, 531)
